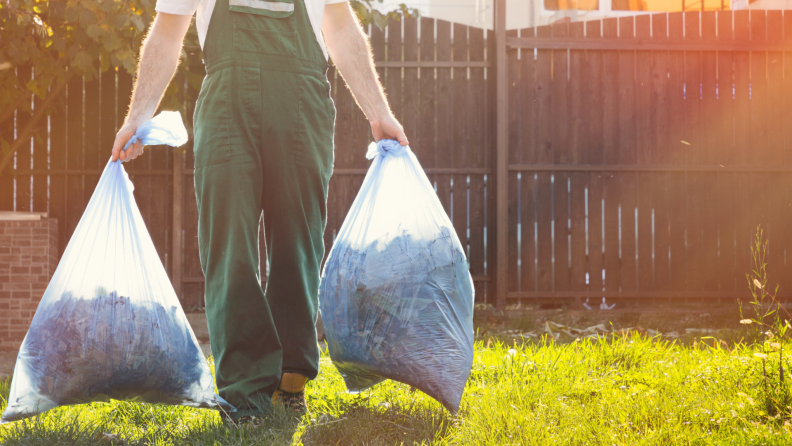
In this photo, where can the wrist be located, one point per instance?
(379, 115)
(137, 117)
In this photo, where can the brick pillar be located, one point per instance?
(28, 258)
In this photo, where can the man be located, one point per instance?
(263, 144)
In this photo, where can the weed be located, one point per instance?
(770, 330)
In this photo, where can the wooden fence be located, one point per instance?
(435, 76)
(636, 155)
(644, 151)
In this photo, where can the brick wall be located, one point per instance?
(28, 257)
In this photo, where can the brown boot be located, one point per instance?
(290, 396)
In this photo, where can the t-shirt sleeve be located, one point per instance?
(178, 7)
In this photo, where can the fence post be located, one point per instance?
(502, 167)
(178, 206)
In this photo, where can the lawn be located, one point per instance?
(620, 390)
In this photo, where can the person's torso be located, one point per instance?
(314, 10)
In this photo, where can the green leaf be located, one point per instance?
(95, 32)
(122, 21)
(122, 55)
(111, 41)
(380, 20)
(138, 22)
(361, 11)
(82, 61)
(87, 17)
(32, 85)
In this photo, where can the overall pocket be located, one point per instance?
(270, 8)
(264, 27)
(210, 122)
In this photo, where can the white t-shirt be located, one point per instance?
(203, 13)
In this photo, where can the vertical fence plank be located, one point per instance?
(40, 155)
(742, 145)
(159, 222)
(444, 150)
(675, 182)
(57, 186)
(611, 190)
(561, 156)
(107, 115)
(644, 136)
(786, 116)
(709, 156)
(491, 162)
(758, 208)
(93, 127)
(344, 146)
(393, 82)
(24, 154)
(758, 91)
(522, 128)
(760, 132)
(461, 141)
(191, 292)
(331, 225)
(594, 154)
(544, 155)
(724, 141)
(777, 193)
(693, 141)
(478, 151)
(517, 147)
(627, 155)
(411, 92)
(74, 155)
(578, 180)
(660, 152)
(426, 124)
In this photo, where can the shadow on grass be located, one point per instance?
(67, 429)
(361, 425)
(137, 425)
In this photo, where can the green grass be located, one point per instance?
(621, 391)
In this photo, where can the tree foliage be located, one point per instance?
(368, 14)
(44, 43)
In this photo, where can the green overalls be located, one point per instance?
(263, 143)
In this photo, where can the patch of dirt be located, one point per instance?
(684, 322)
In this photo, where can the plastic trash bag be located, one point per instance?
(396, 294)
(109, 324)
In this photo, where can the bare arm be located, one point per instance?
(159, 57)
(349, 47)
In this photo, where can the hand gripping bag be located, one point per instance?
(396, 294)
(109, 324)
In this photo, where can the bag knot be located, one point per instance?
(386, 147)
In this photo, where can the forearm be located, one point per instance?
(158, 61)
(351, 53)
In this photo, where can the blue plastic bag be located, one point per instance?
(396, 294)
(109, 325)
